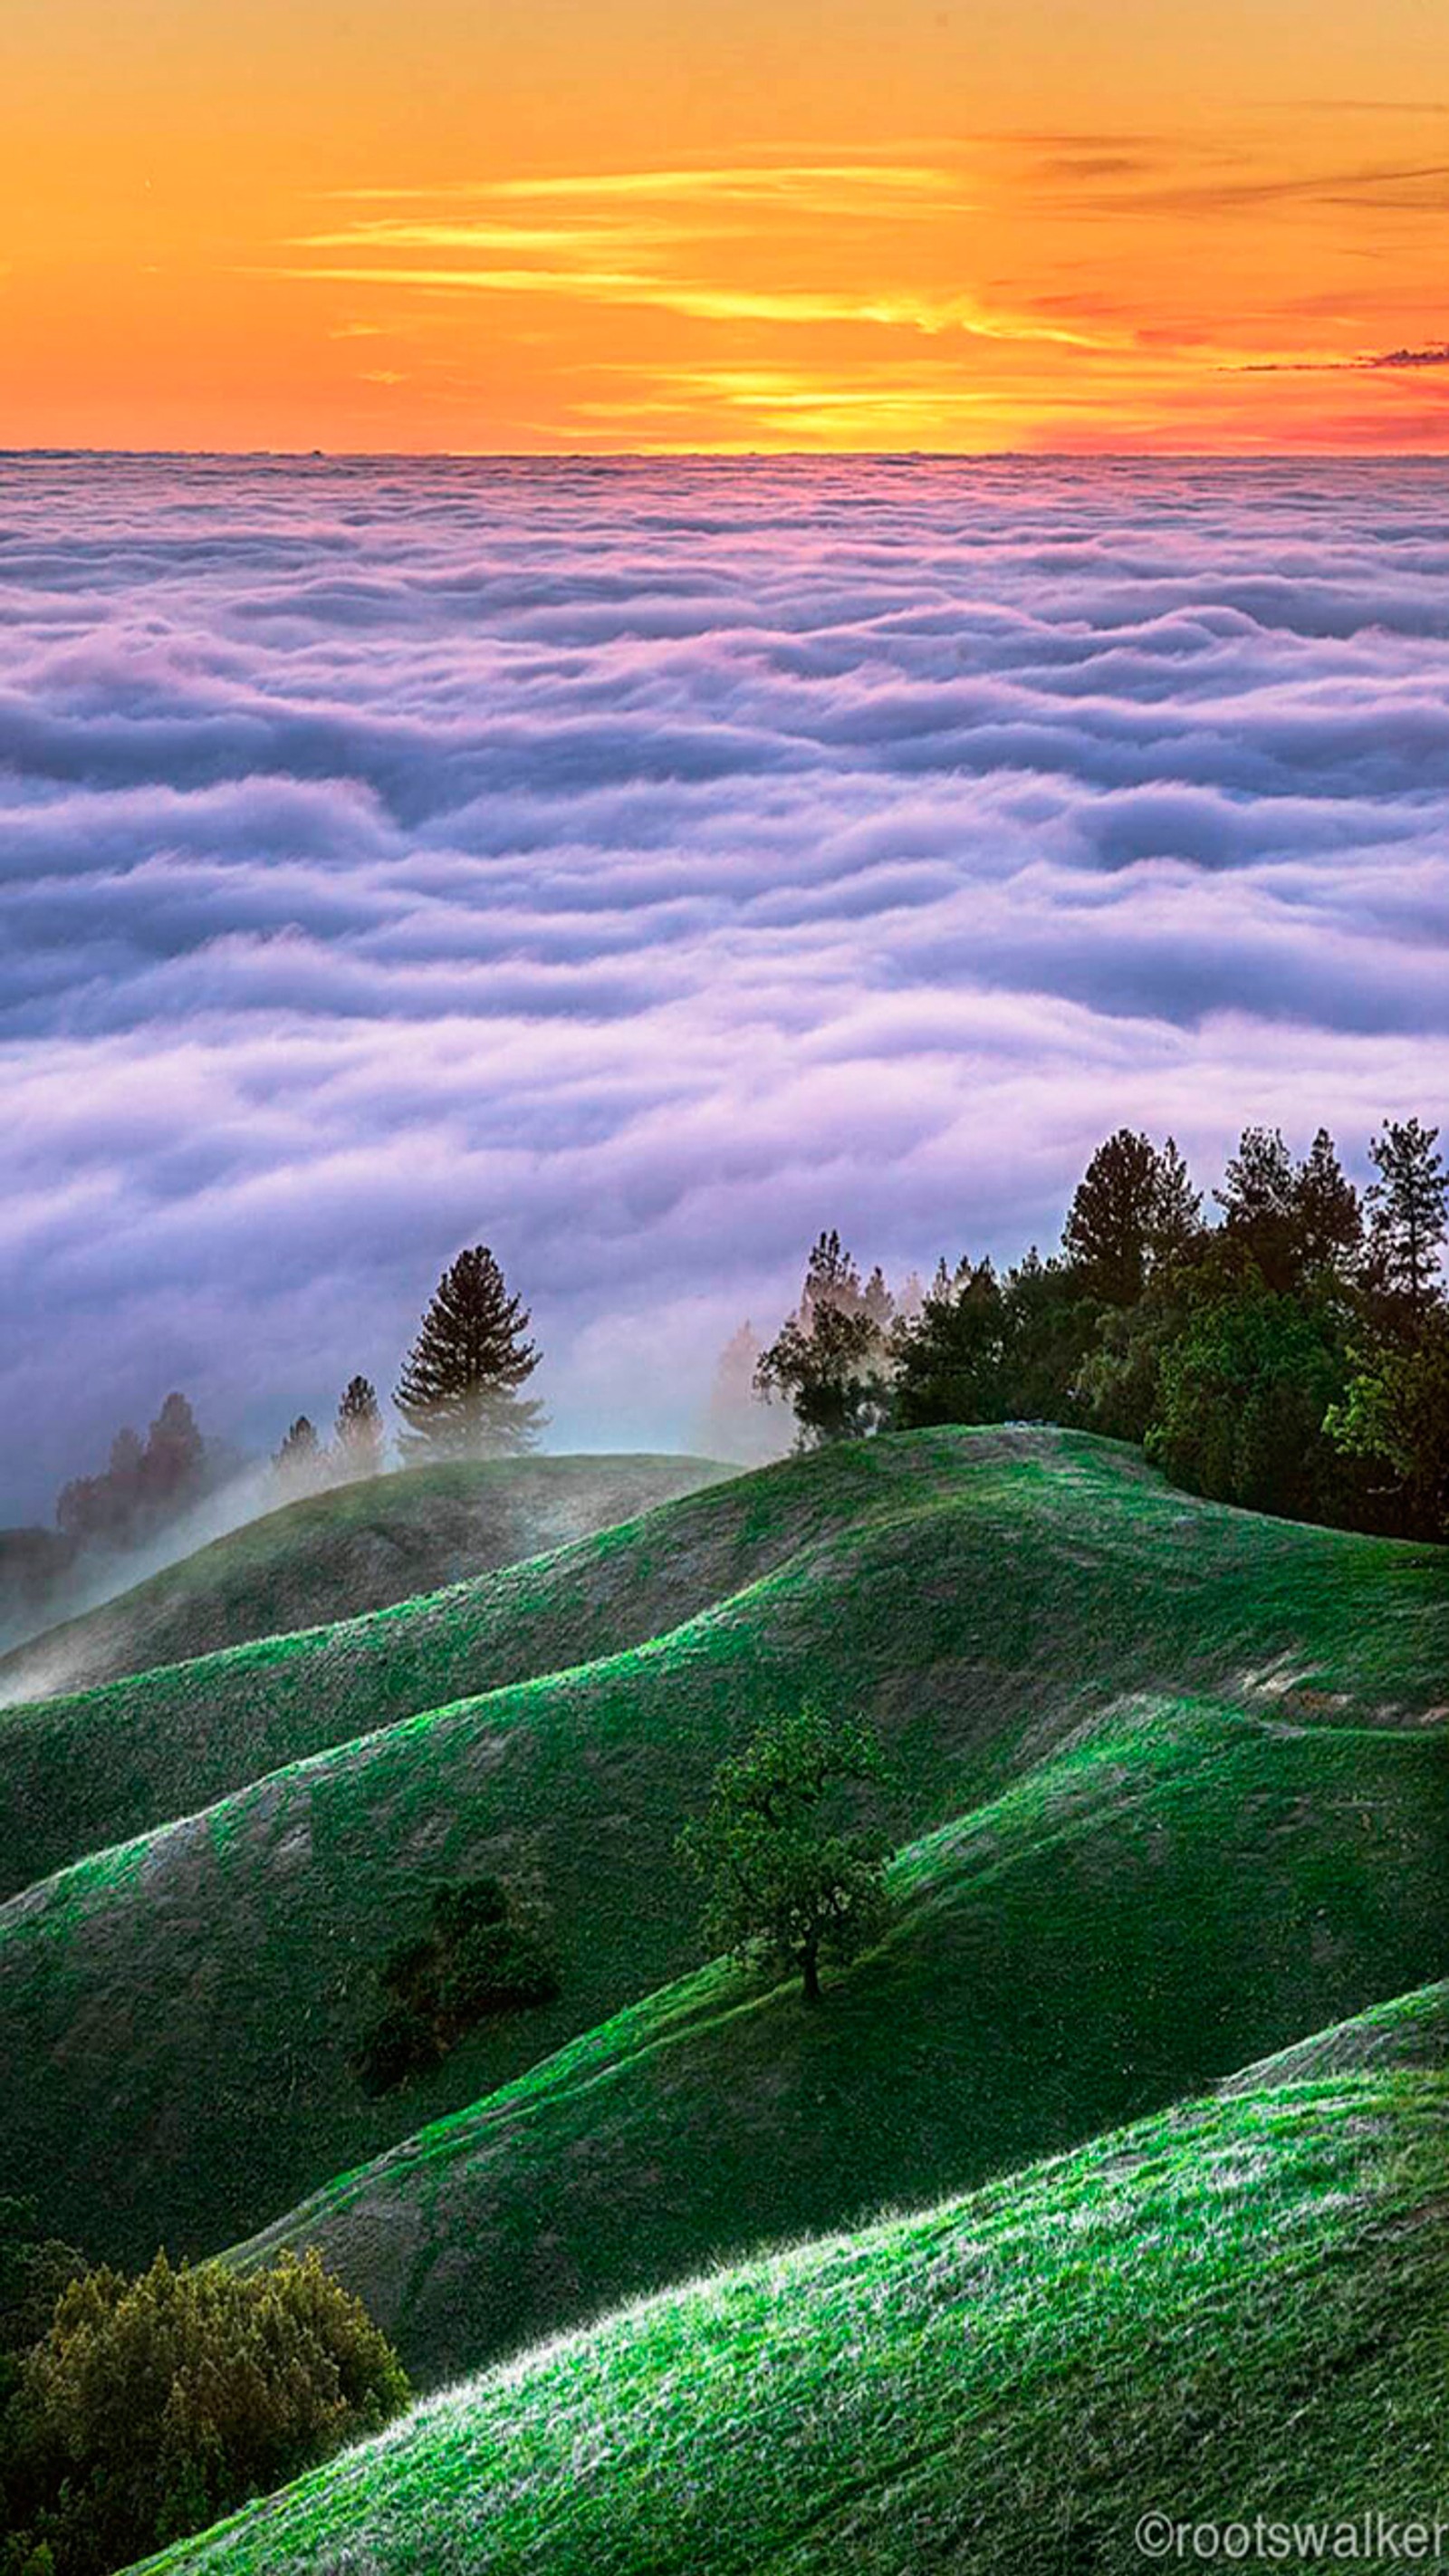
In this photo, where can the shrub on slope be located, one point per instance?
(1237, 2308)
(150, 2406)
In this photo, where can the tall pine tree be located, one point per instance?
(1112, 1218)
(459, 1390)
(1409, 1205)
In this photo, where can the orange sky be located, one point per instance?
(541, 224)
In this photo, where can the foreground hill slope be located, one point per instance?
(1139, 1914)
(1236, 2308)
(983, 1598)
(386, 1539)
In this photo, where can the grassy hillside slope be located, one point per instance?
(984, 1598)
(1137, 1916)
(1040, 1552)
(95, 1767)
(334, 1555)
(1236, 2308)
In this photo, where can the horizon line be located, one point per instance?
(741, 455)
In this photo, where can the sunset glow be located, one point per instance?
(1048, 226)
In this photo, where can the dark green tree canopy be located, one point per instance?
(789, 1876)
(1289, 1221)
(1127, 1199)
(1394, 1415)
(951, 1357)
(459, 1392)
(1243, 1395)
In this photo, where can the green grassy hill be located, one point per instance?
(184, 2007)
(92, 1768)
(1235, 2308)
(386, 1539)
(1140, 1914)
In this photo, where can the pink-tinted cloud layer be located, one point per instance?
(638, 866)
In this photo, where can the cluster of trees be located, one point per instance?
(146, 1488)
(135, 2411)
(1292, 1355)
(460, 1393)
(305, 1463)
(145, 1484)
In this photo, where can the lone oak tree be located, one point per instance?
(787, 1878)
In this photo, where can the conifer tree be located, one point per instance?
(1259, 1200)
(300, 1463)
(1328, 1209)
(459, 1390)
(1113, 1216)
(1408, 1204)
(1177, 1216)
(359, 1434)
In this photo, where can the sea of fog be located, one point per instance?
(637, 866)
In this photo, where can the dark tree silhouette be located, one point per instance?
(951, 1357)
(459, 1390)
(359, 1436)
(143, 1486)
(1407, 1207)
(1114, 1216)
(173, 1466)
(1290, 1221)
(1177, 1219)
(1259, 1203)
(1328, 1211)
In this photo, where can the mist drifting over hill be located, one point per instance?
(639, 865)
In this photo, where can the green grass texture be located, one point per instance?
(1234, 2308)
(1249, 1715)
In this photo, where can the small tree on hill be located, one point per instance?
(789, 1878)
(359, 1435)
(459, 1390)
(830, 1362)
(299, 1465)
